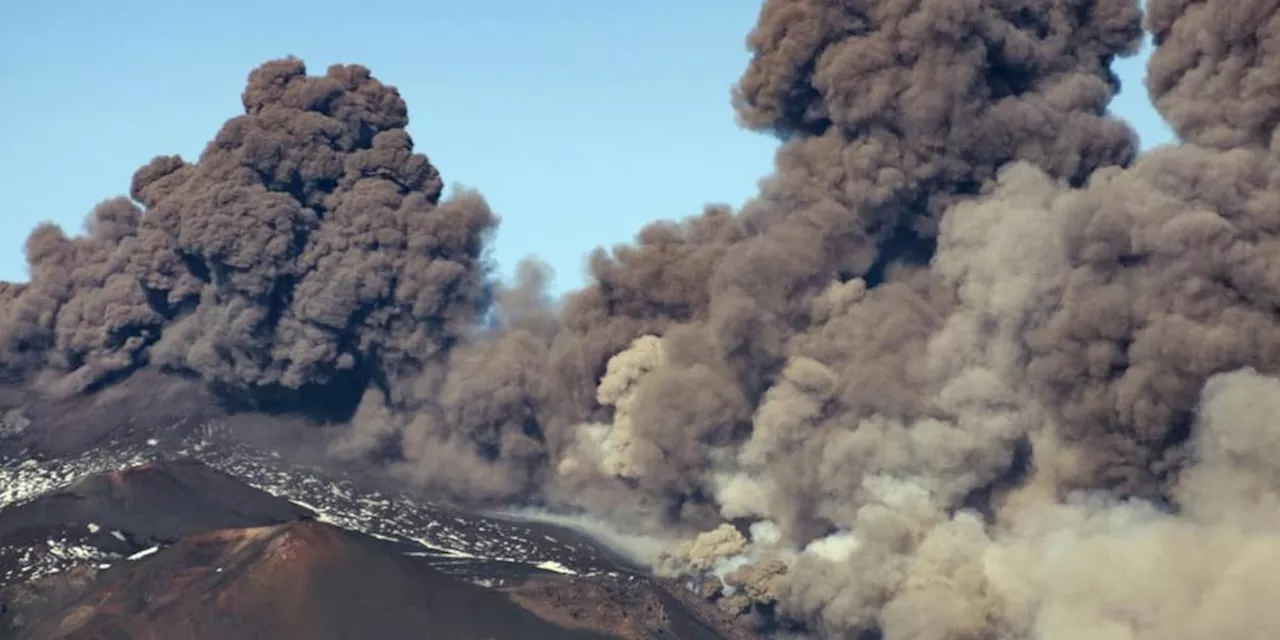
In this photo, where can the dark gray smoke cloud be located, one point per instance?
(967, 367)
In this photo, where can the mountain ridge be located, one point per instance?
(172, 547)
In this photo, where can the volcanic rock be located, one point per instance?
(177, 550)
(154, 503)
(303, 579)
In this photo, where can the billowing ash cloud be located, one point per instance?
(1214, 77)
(304, 257)
(967, 367)
(1172, 275)
(891, 111)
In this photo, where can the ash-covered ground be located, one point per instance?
(131, 519)
(486, 550)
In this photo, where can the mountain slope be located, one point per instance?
(302, 580)
(156, 502)
(173, 549)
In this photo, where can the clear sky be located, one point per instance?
(579, 120)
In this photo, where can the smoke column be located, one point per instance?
(304, 258)
(967, 367)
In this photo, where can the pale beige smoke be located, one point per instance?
(1215, 76)
(1000, 258)
(889, 484)
(711, 548)
(1128, 571)
(1054, 565)
(619, 448)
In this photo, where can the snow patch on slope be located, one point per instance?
(455, 543)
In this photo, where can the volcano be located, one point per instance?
(199, 539)
(301, 579)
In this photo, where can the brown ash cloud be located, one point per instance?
(889, 112)
(1035, 367)
(305, 257)
(1172, 261)
(1124, 327)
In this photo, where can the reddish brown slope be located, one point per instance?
(243, 563)
(303, 580)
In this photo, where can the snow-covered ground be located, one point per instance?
(50, 556)
(473, 547)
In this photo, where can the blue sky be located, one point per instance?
(579, 124)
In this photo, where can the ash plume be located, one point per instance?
(968, 366)
(1028, 364)
(304, 257)
(870, 161)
